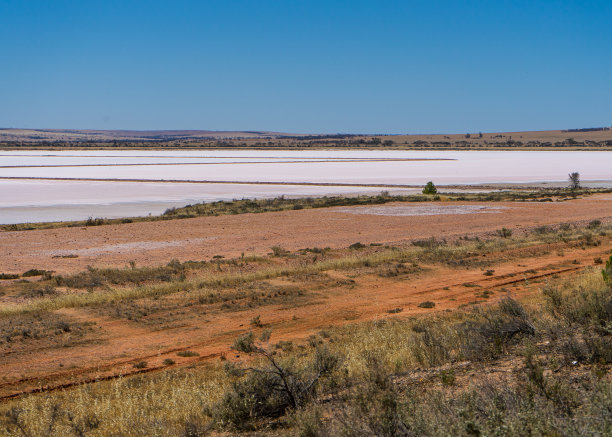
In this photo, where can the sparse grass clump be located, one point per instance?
(187, 354)
(256, 322)
(506, 233)
(38, 291)
(594, 224)
(279, 251)
(50, 330)
(98, 221)
(93, 277)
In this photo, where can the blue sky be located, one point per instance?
(306, 66)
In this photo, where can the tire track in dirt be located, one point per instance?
(216, 344)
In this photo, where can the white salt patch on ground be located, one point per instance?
(134, 246)
(404, 211)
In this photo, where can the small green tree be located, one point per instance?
(430, 188)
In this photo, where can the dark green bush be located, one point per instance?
(357, 245)
(35, 272)
(9, 276)
(430, 188)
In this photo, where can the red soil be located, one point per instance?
(203, 237)
(121, 343)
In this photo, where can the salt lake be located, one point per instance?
(118, 189)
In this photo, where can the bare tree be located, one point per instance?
(574, 180)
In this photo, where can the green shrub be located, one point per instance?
(429, 243)
(587, 307)
(430, 188)
(35, 272)
(489, 334)
(374, 406)
(95, 221)
(357, 245)
(9, 276)
(504, 232)
(279, 251)
(447, 377)
(593, 224)
(270, 390)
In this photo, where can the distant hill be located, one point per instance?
(71, 135)
(598, 138)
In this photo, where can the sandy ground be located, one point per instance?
(154, 243)
(209, 331)
(115, 344)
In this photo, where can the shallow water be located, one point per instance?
(126, 247)
(46, 200)
(413, 210)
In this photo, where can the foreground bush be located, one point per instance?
(268, 391)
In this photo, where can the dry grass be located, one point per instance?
(175, 401)
(161, 405)
(205, 278)
(46, 329)
(568, 322)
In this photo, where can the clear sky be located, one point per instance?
(306, 66)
